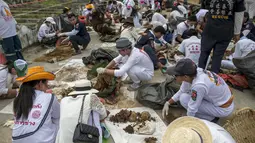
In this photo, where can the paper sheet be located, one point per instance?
(120, 136)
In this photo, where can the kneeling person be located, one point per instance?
(203, 93)
(78, 36)
(47, 33)
(138, 66)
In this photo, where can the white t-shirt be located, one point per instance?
(243, 48)
(70, 111)
(85, 12)
(136, 57)
(7, 21)
(191, 48)
(159, 18)
(205, 86)
(44, 32)
(181, 27)
(201, 14)
(47, 133)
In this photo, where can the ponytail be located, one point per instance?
(24, 102)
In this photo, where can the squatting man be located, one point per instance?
(135, 62)
(203, 93)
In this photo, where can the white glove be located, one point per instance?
(165, 109)
(100, 70)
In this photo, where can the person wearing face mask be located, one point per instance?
(138, 66)
(36, 113)
(203, 94)
(47, 34)
(78, 36)
(182, 29)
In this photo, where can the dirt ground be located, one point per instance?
(242, 99)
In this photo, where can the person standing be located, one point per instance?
(225, 19)
(78, 36)
(11, 42)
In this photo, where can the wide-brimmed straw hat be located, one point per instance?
(187, 130)
(82, 87)
(36, 73)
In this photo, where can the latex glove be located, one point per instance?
(100, 70)
(165, 109)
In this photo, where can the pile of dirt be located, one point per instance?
(129, 129)
(62, 92)
(150, 140)
(130, 116)
(58, 54)
(70, 74)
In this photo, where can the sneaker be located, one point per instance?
(134, 87)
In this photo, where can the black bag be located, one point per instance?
(84, 133)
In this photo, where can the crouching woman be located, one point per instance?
(36, 112)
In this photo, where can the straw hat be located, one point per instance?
(82, 87)
(36, 73)
(187, 130)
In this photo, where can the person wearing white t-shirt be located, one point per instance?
(36, 112)
(11, 42)
(191, 47)
(47, 34)
(243, 47)
(129, 31)
(138, 66)
(203, 93)
(127, 10)
(181, 32)
(157, 17)
(119, 5)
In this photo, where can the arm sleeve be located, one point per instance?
(118, 58)
(179, 30)
(238, 22)
(183, 89)
(238, 52)
(152, 4)
(48, 35)
(3, 86)
(197, 94)
(98, 106)
(73, 32)
(55, 109)
(130, 62)
(182, 47)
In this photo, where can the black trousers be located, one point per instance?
(219, 47)
(78, 40)
(12, 48)
(49, 41)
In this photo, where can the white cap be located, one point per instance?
(51, 20)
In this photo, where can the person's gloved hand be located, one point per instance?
(165, 109)
(100, 70)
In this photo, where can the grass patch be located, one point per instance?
(50, 2)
